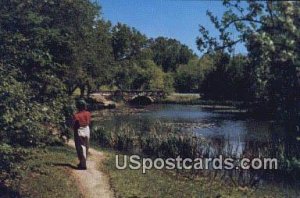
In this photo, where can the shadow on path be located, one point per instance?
(65, 165)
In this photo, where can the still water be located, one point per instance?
(187, 119)
(232, 134)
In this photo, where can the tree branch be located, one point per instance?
(242, 19)
(270, 12)
(228, 45)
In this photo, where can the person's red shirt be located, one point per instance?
(81, 119)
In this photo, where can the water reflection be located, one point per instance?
(227, 134)
(188, 119)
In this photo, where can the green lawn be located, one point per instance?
(46, 173)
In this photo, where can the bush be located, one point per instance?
(9, 157)
(25, 121)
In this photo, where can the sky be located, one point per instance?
(179, 19)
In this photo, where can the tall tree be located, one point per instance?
(127, 42)
(170, 53)
(227, 79)
(129, 47)
(188, 78)
(41, 40)
(271, 32)
(216, 81)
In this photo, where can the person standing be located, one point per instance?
(81, 122)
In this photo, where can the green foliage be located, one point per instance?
(227, 80)
(142, 63)
(170, 53)
(33, 46)
(24, 121)
(39, 41)
(188, 77)
(275, 62)
(127, 42)
(168, 83)
(90, 51)
(271, 32)
(143, 75)
(9, 156)
(135, 68)
(154, 77)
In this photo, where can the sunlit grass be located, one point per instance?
(182, 97)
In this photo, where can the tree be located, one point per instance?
(227, 80)
(143, 75)
(40, 41)
(271, 33)
(170, 53)
(104, 54)
(127, 42)
(97, 68)
(216, 82)
(28, 46)
(90, 40)
(129, 47)
(188, 77)
(154, 77)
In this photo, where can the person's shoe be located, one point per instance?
(79, 167)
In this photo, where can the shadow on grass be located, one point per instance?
(65, 165)
(7, 192)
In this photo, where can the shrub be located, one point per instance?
(25, 121)
(8, 158)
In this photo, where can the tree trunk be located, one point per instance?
(89, 90)
(82, 89)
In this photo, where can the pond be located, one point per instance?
(194, 119)
(209, 132)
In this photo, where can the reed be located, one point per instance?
(165, 142)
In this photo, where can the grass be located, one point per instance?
(163, 183)
(46, 174)
(182, 97)
(195, 99)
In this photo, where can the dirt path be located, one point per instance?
(92, 182)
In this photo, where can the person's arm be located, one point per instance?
(74, 123)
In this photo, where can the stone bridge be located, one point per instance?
(134, 96)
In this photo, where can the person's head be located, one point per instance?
(81, 105)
